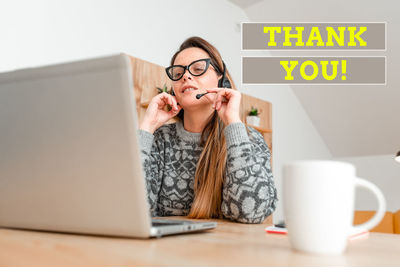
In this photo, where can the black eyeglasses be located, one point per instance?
(196, 68)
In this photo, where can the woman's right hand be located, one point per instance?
(155, 115)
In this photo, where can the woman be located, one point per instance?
(207, 165)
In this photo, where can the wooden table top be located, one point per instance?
(230, 244)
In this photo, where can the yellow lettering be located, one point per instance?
(344, 69)
(304, 74)
(332, 33)
(272, 31)
(324, 65)
(298, 35)
(288, 69)
(334, 36)
(357, 36)
(315, 35)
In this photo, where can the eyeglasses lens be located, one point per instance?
(198, 68)
(176, 72)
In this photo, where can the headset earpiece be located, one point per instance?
(224, 81)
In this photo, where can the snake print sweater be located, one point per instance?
(169, 159)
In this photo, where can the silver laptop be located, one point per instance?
(69, 152)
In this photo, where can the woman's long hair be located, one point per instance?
(210, 171)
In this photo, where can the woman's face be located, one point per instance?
(189, 86)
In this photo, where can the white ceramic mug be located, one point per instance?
(318, 200)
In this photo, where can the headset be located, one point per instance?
(224, 81)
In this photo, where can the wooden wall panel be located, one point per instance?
(265, 110)
(146, 78)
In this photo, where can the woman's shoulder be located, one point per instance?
(166, 130)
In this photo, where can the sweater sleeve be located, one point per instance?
(152, 160)
(249, 193)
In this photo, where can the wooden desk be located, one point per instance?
(231, 244)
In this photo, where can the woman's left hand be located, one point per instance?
(227, 104)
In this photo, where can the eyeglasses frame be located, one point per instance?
(187, 67)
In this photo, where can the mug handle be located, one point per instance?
(375, 220)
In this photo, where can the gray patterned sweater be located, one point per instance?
(169, 160)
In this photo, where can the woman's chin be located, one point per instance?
(191, 102)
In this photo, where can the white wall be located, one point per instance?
(383, 171)
(48, 31)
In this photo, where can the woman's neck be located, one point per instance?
(195, 121)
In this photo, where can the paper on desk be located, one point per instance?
(355, 232)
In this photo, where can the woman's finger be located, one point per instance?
(169, 99)
(174, 103)
(219, 100)
(165, 99)
(223, 96)
(173, 112)
(214, 90)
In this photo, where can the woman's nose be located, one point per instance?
(187, 76)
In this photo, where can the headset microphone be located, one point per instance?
(198, 96)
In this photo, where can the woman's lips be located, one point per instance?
(189, 89)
